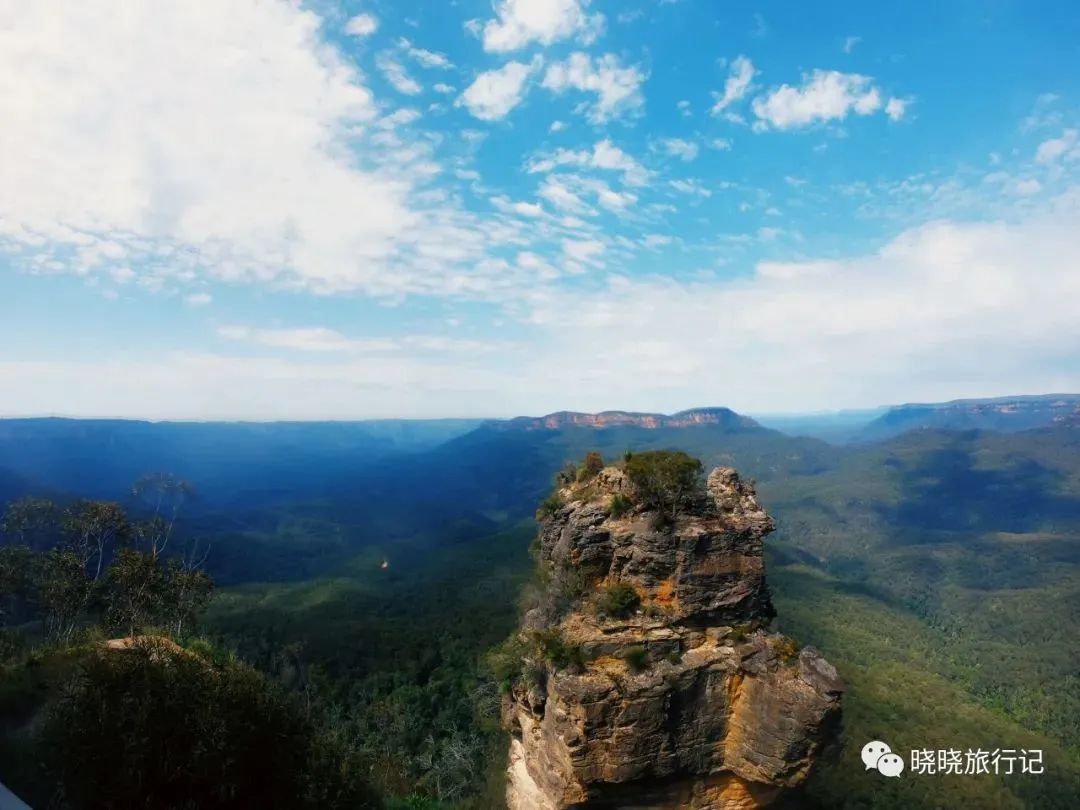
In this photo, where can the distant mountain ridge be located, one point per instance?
(1004, 414)
(723, 417)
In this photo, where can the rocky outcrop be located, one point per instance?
(649, 678)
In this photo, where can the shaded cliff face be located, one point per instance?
(649, 679)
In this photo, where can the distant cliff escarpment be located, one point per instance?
(723, 417)
(644, 674)
(1002, 414)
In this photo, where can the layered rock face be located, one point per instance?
(723, 417)
(678, 697)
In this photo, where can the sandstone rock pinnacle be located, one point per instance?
(649, 678)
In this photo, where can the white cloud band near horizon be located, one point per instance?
(943, 310)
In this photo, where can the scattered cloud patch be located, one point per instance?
(604, 155)
(585, 251)
(494, 93)
(739, 79)
(825, 95)
(362, 25)
(677, 147)
(691, 186)
(321, 339)
(518, 23)
(198, 299)
(617, 88)
(895, 108)
(850, 43)
(1051, 151)
(867, 314)
(396, 74)
(424, 57)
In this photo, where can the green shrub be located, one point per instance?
(619, 505)
(549, 507)
(637, 658)
(506, 662)
(571, 585)
(556, 651)
(667, 480)
(618, 600)
(786, 649)
(567, 475)
(591, 467)
(155, 726)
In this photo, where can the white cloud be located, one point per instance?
(234, 144)
(896, 324)
(586, 251)
(1050, 151)
(426, 58)
(313, 339)
(737, 84)
(850, 43)
(896, 107)
(199, 299)
(568, 192)
(604, 155)
(678, 147)
(617, 88)
(691, 186)
(217, 386)
(656, 240)
(362, 25)
(609, 198)
(494, 93)
(720, 144)
(443, 88)
(403, 116)
(520, 22)
(556, 191)
(396, 74)
(321, 339)
(175, 164)
(557, 126)
(1027, 186)
(825, 95)
(899, 324)
(524, 209)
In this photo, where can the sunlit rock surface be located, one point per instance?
(688, 701)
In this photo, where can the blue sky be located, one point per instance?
(364, 209)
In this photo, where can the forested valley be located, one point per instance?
(347, 602)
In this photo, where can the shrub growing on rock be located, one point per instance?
(666, 480)
(549, 506)
(557, 651)
(591, 467)
(637, 658)
(619, 505)
(618, 600)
